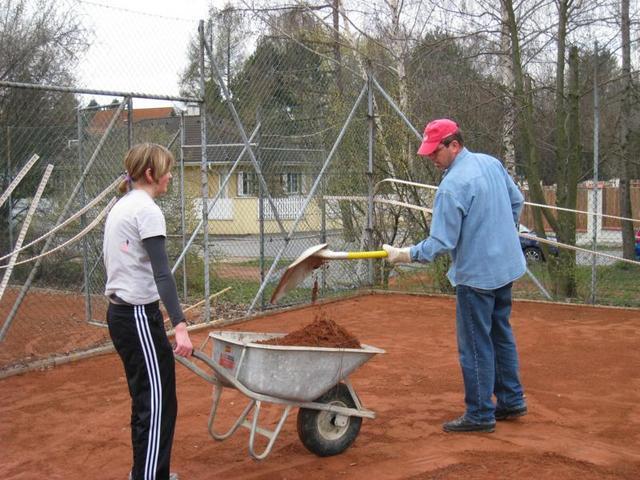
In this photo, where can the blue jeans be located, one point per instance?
(487, 349)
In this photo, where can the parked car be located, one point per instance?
(532, 249)
(638, 245)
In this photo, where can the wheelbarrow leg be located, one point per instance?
(217, 393)
(353, 393)
(270, 434)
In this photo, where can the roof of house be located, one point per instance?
(225, 145)
(101, 119)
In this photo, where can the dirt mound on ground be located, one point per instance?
(322, 332)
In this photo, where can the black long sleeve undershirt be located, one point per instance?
(155, 247)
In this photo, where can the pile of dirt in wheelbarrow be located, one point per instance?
(322, 332)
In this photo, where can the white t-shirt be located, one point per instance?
(129, 275)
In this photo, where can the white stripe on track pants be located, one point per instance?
(139, 337)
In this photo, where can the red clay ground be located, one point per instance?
(579, 366)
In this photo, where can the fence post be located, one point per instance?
(7, 183)
(83, 223)
(182, 207)
(370, 187)
(204, 177)
(260, 205)
(594, 200)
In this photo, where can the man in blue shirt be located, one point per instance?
(475, 211)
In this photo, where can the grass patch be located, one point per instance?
(283, 263)
(616, 284)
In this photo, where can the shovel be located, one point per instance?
(309, 260)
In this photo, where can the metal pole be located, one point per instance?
(396, 108)
(182, 208)
(539, 285)
(130, 122)
(596, 133)
(9, 206)
(323, 229)
(260, 207)
(83, 223)
(370, 186)
(204, 176)
(89, 91)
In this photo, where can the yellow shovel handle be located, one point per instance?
(374, 254)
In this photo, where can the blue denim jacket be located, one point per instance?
(475, 213)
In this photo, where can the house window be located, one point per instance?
(292, 183)
(221, 176)
(247, 184)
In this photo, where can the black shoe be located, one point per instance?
(508, 413)
(461, 424)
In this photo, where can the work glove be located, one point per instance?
(397, 255)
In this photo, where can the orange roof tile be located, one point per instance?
(101, 119)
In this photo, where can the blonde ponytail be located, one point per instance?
(145, 156)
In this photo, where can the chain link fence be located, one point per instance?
(279, 147)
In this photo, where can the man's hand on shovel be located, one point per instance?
(397, 255)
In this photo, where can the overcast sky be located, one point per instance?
(138, 45)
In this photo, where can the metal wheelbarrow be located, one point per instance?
(313, 379)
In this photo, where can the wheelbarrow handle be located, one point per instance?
(194, 368)
(220, 375)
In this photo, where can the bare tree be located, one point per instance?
(625, 133)
(226, 31)
(506, 74)
(40, 42)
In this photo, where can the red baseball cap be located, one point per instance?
(434, 133)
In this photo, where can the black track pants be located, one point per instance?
(139, 337)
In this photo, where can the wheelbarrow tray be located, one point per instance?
(294, 373)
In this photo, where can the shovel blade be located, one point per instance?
(295, 273)
(309, 260)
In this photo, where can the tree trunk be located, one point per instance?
(562, 268)
(524, 104)
(560, 105)
(336, 46)
(509, 119)
(565, 278)
(628, 241)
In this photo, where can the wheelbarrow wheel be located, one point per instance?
(328, 433)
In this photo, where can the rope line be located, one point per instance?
(378, 200)
(73, 239)
(433, 187)
(523, 235)
(73, 217)
(578, 249)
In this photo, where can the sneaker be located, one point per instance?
(509, 413)
(461, 424)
